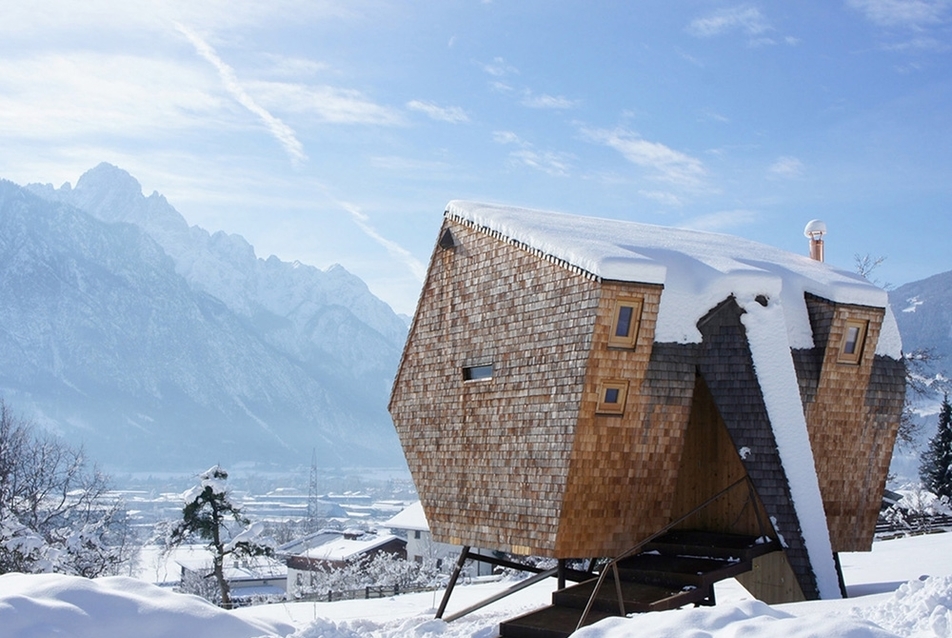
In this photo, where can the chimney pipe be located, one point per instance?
(815, 230)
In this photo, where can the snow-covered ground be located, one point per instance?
(902, 588)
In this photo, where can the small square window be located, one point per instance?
(612, 395)
(854, 337)
(626, 320)
(478, 373)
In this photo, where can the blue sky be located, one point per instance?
(335, 132)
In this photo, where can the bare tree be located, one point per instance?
(866, 264)
(56, 513)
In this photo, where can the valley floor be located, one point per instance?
(902, 588)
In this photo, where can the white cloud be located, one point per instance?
(918, 43)
(666, 164)
(408, 165)
(722, 220)
(451, 114)
(278, 129)
(708, 115)
(293, 67)
(745, 18)
(506, 137)
(787, 166)
(545, 101)
(550, 162)
(23, 19)
(663, 197)
(327, 103)
(88, 95)
(903, 13)
(500, 68)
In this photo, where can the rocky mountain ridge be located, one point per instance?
(161, 346)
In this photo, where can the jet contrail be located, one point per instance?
(396, 250)
(281, 131)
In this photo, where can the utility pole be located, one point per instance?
(312, 504)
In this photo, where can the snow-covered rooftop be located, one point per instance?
(343, 548)
(698, 269)
(254, 568)
(411, 518)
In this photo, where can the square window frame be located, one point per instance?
(618, 407)
(627, 342)
(853, 358)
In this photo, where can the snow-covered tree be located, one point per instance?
(210, 515)
(935, 468)
(382, 569)
(56, 514)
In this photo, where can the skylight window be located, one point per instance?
(625, 323)
(854, 337)
(612, 395)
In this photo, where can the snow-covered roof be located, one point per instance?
(253, 568)
(314, 539)
(343, 548)
(411, 518)
(698, 269)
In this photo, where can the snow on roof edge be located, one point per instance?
(410, 518)
(777, 376)
(697, 269)
(345, 549)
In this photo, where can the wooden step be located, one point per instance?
(677, 569)
(671, 570)
(548, 622)
(711, 545)
(638, 597)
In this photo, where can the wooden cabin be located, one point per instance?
(572, 385)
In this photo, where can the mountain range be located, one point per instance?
(923, 311)
(162, 347)
(159, 346)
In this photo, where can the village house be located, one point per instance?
(250, 579)
(328, 550)
(411, 524)
(572, 387)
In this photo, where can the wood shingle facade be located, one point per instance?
(541, 413)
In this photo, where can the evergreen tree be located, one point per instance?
(935, 466)
(210, 514)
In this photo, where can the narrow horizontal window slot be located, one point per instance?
(478, 373)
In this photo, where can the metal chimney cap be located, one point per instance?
(815, 229)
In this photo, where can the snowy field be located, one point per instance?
(902, 588)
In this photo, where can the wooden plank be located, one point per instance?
(772, 580)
